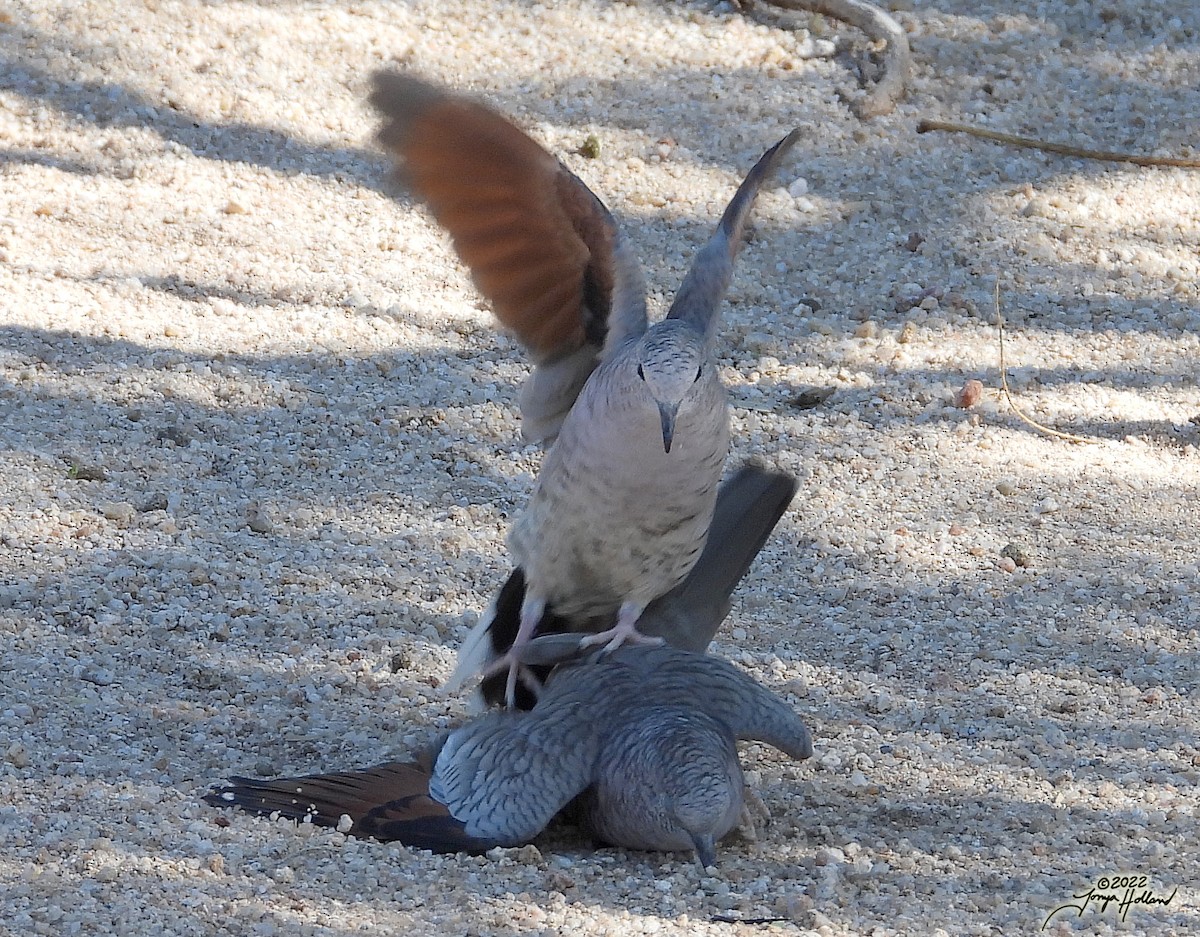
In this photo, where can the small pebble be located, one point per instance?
(1016, 553)
(969, 395)
(121, 511)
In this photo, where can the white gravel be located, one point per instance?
(259, 448)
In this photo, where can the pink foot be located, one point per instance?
(624, 632)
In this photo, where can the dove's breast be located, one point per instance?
(614, 517)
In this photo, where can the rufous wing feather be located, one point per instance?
(537, 241)
(389, 802)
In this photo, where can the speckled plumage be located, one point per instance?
(615, 518)
(646, 735)
(626, 493)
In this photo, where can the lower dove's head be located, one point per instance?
(708, 813)
(673, 364)
(705, 792)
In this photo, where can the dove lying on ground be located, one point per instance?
(625, 494)
(645, 735)
(749, 504)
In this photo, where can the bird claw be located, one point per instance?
(620, 635)
(516, 671)
(754, 811)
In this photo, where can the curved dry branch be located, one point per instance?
(1066, 149)
(879, 26)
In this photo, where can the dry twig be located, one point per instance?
(1008, 395)
(1065, 149)
(879, 26)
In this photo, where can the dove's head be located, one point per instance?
(705, 791)
(709, 807)
(672, 363)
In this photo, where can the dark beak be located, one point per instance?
(667, 415)
(706, 850)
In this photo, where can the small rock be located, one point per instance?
(861, 868)
(1014, 552)
(969, 395)
(120, 511)
(17, 755)
(174, 433)
(528, 854)
(257, 519)
(879, 702)
(345, 823)
(830, 761)
(154, 502)
(556, 880)
(1006, 488)
(813, 397)
(97, 675)
(590, 147)
(85, 472)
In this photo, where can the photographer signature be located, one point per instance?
(1124, 891)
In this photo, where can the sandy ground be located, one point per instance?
(259, 448)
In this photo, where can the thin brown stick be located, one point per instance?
(1008, 395)
(1065, 149)
(880, 27)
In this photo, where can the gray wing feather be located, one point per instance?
(627, 318)
(505, 775)
(699, 296)
(719, 689)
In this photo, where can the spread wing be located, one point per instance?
(541, 247)
(506, 774)
(388, 802)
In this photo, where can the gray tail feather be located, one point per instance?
(749, 506)
(704, 287)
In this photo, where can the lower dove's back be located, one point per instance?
(646, 735)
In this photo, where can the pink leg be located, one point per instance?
(532, 610)
(625, 631)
